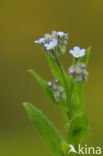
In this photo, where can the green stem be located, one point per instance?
(66, 86)
(63, 75)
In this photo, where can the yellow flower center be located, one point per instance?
(51, 46)
(77, 54)
(60, 36)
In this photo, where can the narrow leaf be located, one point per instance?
(86, 57)
(43, 83)
(78, 130)
(46, 130)
(77, 100)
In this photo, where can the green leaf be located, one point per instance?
(85, 59)
(43, 83)
(78, 130)
(65, 148)
(54, 67)
(46, 130)
(77, 100)
(59, 73)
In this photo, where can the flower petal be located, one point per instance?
(36, 42)
(71, 51)
(76, 49)
(61, 33)
(46, 45)
(82, 52)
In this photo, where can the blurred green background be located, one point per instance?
(22, 22)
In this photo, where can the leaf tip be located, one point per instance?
(90, 47)
(25, 104)
(29, 70)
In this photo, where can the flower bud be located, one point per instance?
(55, 87)
(83, 65)
(56, 81)
(85, 73)
(49, 84)
(84, 78)
(57, 95)
(71, 71)
(61, 89)
(63, 96)
(78, 71)
(78, 79)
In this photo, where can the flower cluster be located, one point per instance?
(56, 42)
(58, 91)
(78, 73)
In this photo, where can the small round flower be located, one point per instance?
(61, 89)
(50, 84)
(54, 87)
(61, 34)
(78, 79)
(51, 45)
(85, 73)
(83, 65)
(47, 36)
(77, 52)
(57, 96)
(71, 71)
(56, 81)
(41, 40)
(78, 71)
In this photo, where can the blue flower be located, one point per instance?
(60, 34)
(41, 40)
(77, 52)
(51, 45)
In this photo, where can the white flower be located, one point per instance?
(51, 45)
(77, 52)
(41, 40)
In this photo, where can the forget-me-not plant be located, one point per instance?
(66, 91)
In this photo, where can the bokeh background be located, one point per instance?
(22, 22)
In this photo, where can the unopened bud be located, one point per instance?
(78, 79)
(83, 65)
(54, 87)
(56, 81)
(50, 84)
(85, 78)
(57, 95)
(85, 73)
(61, 89)
(78, 71)
(71, 71)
